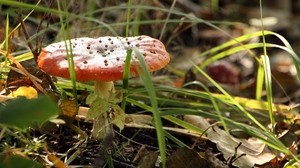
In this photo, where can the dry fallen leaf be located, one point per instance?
(255, 150)
(69, 108)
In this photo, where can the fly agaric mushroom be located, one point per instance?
(102, 59)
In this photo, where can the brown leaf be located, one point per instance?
(255, 150)
(68, 108)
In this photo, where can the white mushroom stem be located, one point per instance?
(105, 89)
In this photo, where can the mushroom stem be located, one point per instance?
(105, 89)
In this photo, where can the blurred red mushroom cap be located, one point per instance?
(102, 58)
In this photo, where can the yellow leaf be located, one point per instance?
(26, 91)
(68, 107)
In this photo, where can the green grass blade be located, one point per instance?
(214, 104)
(262, 27)
(129, 4)
(287, 47)
(167, 115)
(145, 76)
(137, 22)
(176, 140)
(179, 122)
(264, 136)
(231, 51)
(68, 46)
(126, 74)
(228, 96)
(23, 5)
(259, 81)
(268, 84)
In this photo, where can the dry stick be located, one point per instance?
(203, 134)
(234, 158)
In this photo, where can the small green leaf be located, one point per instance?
(118, 117)
(98, 105)
(22, 112)
(91, 98)
(99, 111)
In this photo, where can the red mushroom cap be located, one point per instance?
(102, 58)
